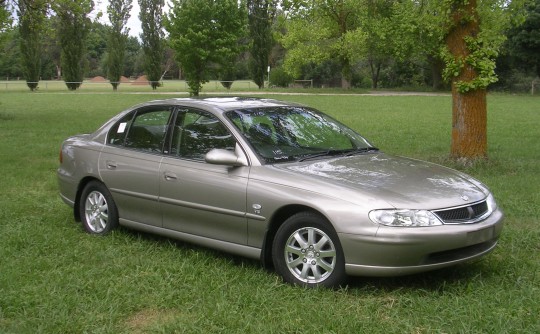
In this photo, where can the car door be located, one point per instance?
(129, 163)
(200, 198)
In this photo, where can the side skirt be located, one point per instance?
(227, 247)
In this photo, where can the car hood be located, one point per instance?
(400, 182)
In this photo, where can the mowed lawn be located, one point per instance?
(54, 278)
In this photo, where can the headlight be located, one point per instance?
(492, 205)
(412, 218)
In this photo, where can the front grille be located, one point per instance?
(464, 214)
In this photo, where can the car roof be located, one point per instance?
(221, 103)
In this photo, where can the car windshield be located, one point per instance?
(280, 134)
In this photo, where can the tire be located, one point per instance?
(97, 209)
(306, 252)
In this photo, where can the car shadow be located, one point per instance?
(437, 281)
(190, 247)
(431, 281)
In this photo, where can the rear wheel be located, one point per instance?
(97, 209)
(306, 251)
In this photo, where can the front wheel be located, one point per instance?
(97, 209)
(306, 251)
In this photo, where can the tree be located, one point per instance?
(52, 49)
(133, 48)
(96, 46)
(151, 16)
(5, 17)
(261, 14)
(31, 24)
(10, 65)
(524, 40)
(205, 35)
(377, 25)
(469, 110)
(119, 13)
(319, 30)
(73, 28)
(473, 37)
(429, 37)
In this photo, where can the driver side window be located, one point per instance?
(196, 132)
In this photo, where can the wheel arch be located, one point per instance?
(279, 217)
(80, 188)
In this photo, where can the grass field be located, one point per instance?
(56, 279)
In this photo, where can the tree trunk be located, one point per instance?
(345, 83)
(58, 72)
(469, 123)
(346, 73)
(437, 67)
(469, 109)
(375, 70)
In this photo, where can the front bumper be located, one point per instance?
(396, 251)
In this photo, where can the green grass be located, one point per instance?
(54, 278)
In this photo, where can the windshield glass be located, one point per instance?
(280, 134)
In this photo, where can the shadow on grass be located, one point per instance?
(455, 278)
(437, 281)
(183, 246)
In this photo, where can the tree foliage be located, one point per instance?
(261, 14)
(151, 16)
(119, 13)
(378, 26)
(524, 39)
(381, 43)
(5, 18)
(205, 35)
(52, 49)
(96, 44)
(73, 28)
(31, 14)
(320, 30)
(10, 65)
(133, 65)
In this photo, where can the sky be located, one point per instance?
(134, 24)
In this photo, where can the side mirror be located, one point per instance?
(219, 156)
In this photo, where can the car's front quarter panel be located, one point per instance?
(271, 190)
(80, 155)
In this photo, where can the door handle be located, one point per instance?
(111, 164)
(170, 176)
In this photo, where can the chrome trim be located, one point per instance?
(134, 194)
(469, 208)
(202, 207)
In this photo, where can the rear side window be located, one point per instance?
(117, 134)
(144, 130)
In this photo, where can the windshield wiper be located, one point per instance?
(331, 153)
(362, 150)
(322, 154)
